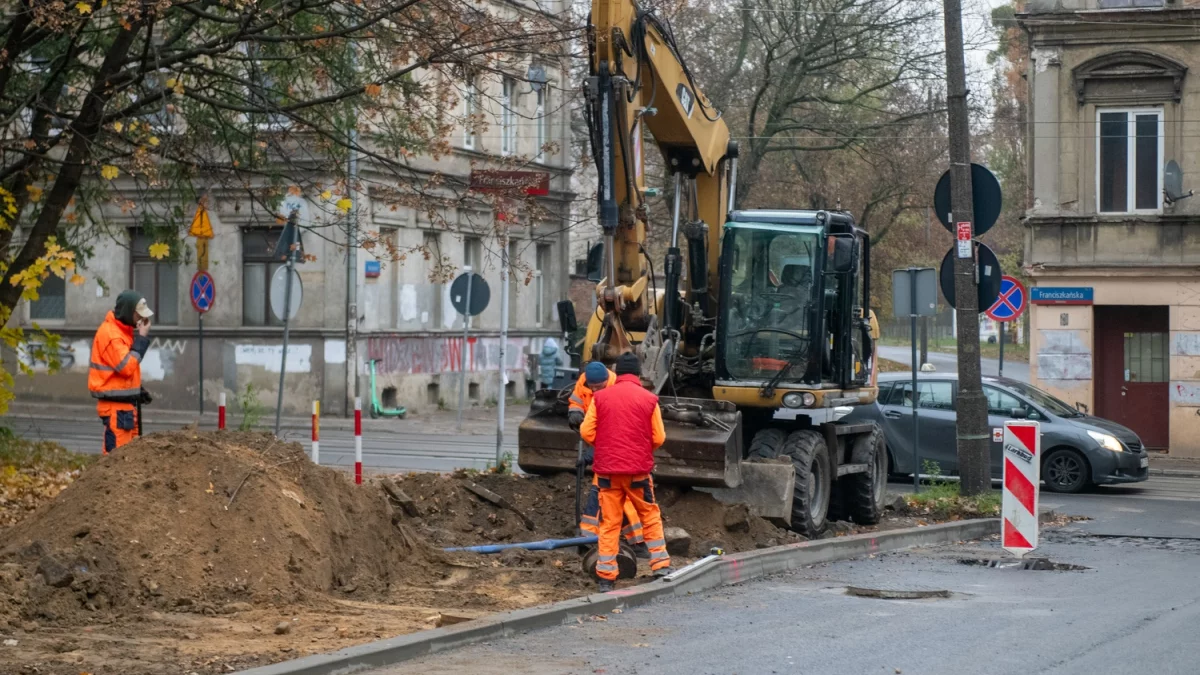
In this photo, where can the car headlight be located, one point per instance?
(1107, 442)
(798, 399)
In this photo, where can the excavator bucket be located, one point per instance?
(703, 447)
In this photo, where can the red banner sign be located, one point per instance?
(532, 183)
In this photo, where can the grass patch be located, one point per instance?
(941, 500)
(890, 366)
(32, 473)
(19, 454)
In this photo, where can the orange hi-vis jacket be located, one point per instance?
(581, 397)
(115, 372)
(625, 426)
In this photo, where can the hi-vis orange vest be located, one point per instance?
(581, 397)
(115, 371)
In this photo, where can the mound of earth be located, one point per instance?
(203, 522)
(453, 515)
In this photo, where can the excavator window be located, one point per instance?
(771, 293)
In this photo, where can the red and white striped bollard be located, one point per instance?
(316, 432)
(221, 412)
(357, 441)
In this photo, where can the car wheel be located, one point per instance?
(1065, 470)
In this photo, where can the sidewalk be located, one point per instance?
(476, 421)
(1174, 466)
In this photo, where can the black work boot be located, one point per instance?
(606, 586)
(663, 571)
(641, 551)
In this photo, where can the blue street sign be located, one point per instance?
(1011, 301)
(203, 291)
(1059, 295)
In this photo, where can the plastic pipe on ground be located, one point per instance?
(543, 545)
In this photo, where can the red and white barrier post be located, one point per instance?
(357, 441)
(1022, 476)
(221, 412)
(316, 432)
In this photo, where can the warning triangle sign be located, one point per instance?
(201, 226)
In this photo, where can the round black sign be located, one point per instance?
(985, 197)
(988, 269)
(480, 294)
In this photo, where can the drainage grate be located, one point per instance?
(1038, 564)
(897, 593)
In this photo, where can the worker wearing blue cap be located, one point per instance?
(594, 378)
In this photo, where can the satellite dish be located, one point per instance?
(1173, 183)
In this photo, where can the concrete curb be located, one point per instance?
(1175, 473)
(731, 569)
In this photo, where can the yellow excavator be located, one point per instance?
(761, 336)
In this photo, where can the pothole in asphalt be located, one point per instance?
(897, 593)
(1036, 564)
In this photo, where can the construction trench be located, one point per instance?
(210, 552)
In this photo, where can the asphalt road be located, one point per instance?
(948, 363)
(390, 452)
(1134, 610)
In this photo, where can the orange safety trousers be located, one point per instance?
(589, 520)
(617, 490)
(120, 423)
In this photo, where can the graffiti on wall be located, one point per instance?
(1064, 355)
(427, 355)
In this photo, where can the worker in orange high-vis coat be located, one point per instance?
(594, 378)
(115, 371)
(625, 425)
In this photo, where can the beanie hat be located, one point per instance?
(595, 373)
(628, 364)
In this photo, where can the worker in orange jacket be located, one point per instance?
(624, 425)
(115, 371)
(594, 378)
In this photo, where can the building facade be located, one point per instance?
(1112, 246)
(405, 323)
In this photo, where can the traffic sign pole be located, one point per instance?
(203, 292)
(462, 359)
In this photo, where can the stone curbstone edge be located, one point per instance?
(733, 569)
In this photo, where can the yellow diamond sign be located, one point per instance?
(201, 226)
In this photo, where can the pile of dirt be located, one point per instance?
(204, 522)
(453, 515)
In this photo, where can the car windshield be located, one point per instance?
(771, 291)
(1043, 399)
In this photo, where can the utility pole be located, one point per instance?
(973, 439)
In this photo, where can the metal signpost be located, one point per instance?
(203, 294)
(285, 300)
(1008, 307)
(469, 294)
(914, 292)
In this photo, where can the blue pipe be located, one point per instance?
(543, 545)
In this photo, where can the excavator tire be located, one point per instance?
(810, 459)
(864, 492)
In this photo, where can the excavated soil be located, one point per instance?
(208, 552)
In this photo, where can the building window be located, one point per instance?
(1146, 357)
(543, 268)
(52, 300)
(258, 264)
(265, 94)
(433, 272)
(157, 280)
(470, 110)
(508, 118)
(473, 254)
(1130, 150)
(543, 121)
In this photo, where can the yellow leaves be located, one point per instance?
(35, 193)
(175, 85)
(344, 204)
(153, 140)
(56, 260)
(77, 280)
(327, 195)
(118, 127)
(374, 90)
(159, 250)
(33, 474)
(109, 172)
(83, 8)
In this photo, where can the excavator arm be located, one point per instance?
(638, 77)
